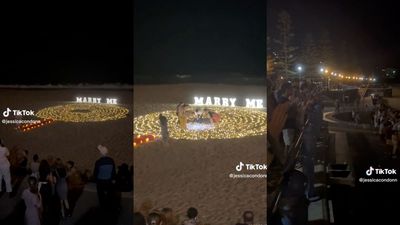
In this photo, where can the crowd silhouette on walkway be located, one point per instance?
(52, 186)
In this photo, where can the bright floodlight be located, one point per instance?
(326, 71)
(321, 70)
(299, 68)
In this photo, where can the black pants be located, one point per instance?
(105, 193)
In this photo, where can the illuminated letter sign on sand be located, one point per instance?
(227, 102)
(95, 100)
(254, 103)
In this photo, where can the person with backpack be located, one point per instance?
(104, 176)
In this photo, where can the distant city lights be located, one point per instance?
(347, 77)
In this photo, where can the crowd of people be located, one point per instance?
(54, 186)
(294, 110)
(167, 216)
(386, 121)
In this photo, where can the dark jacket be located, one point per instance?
(104, 169)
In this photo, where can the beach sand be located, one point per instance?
(195, 173)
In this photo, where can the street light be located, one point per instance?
(299, 70)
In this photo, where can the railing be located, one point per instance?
(290, 165)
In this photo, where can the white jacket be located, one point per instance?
(4, 153)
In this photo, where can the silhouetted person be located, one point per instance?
(138, 219)
(21, 171)
(170, 217)
(124, 179)
(155, 219)
(164, 129)
(34, 166)
(62, 188)
(191, 214)
(32, 199)
(104, 175)
(47, 181)
(248, 218)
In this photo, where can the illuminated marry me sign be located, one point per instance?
(227, 102)
(96, 100)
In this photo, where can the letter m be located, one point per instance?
(198, 101)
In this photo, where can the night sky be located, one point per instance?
(66, 43)
(199, 38)
(92, 43)
(365, 34)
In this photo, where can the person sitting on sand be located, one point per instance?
(198, 114)
(214, 117)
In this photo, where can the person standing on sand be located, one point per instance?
(178, 108)
(164, 129)
(5, 167)
(104, 175)
(181, 113)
